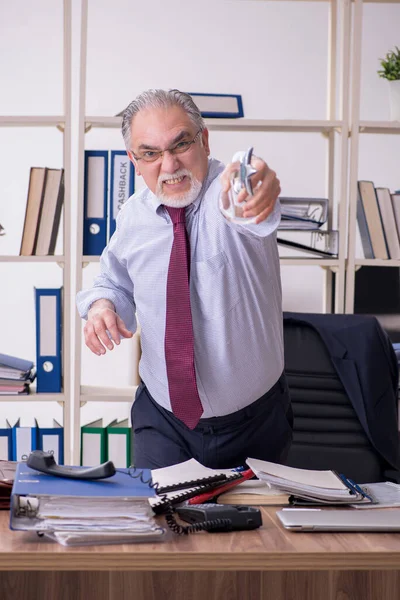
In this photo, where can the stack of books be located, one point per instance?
(378, 219)
(43, 211)
(301, 223)
(16, 374)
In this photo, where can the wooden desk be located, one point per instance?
(269, 564)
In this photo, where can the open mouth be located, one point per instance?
(174, 181)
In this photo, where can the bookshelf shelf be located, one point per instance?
(31, 121)
(105, 394)
(28, 259)
(305, 126)
(90, 259)
(33, 397)
(391, 127)
(376, 262)
(287, 260)
(317, 262)
(242, 124)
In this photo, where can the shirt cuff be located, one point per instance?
(260, 230)
(123, 307)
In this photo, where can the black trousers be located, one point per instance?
(261, 430)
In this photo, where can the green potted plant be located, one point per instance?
(391, 72)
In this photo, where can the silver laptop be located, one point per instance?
(385, 519)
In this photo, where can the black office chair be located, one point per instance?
(327, 431)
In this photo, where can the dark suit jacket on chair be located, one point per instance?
(365, 362)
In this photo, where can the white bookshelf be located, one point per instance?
(63, 124)
(342, 130)
(335, 130)
(360, 128)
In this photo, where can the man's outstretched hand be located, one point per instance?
(266, 189)
(102, 318)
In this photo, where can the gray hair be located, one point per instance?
(154, 98)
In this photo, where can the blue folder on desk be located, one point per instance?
(32, 487)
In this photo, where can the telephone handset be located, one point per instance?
(45, 462)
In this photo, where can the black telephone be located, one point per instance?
(227, 517)
(45, 462)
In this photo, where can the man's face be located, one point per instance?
(174, 178)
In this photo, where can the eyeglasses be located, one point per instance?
(150, 156)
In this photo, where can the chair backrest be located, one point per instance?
(327, 432)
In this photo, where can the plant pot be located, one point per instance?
(394, 99)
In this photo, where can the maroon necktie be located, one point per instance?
(179, 348)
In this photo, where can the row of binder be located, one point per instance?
(109, 182)
(19, 440)
(300, 227)
(303, 213)
(100, 443)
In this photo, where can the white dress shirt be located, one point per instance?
(235, 294)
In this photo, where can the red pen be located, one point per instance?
(222, 488)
